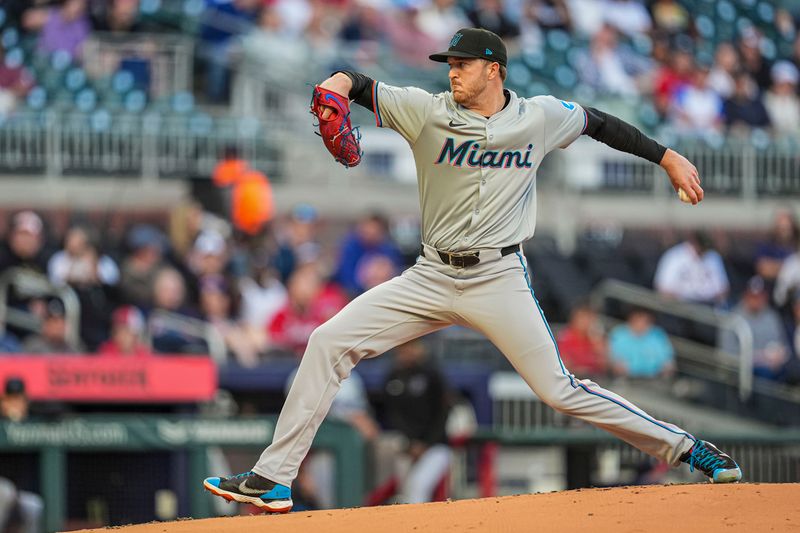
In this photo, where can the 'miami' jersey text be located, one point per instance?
(470, 150)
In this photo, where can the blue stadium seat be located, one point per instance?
(37, 98)
(122, 81)
(86, 100)
(15, 57)
(135, 101)
(75, 79)
(9, 38)
(101, 121)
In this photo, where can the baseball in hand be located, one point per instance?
(684, 197)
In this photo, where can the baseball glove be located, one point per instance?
(341, 139)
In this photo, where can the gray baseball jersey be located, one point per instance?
(477, 192)
(477, 176)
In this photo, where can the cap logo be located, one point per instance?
(454, 41)
(488, 52)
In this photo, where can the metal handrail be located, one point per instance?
(192, 327)
(37, 285)
(648, 299)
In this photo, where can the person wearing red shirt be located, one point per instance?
(127, 327)
(311, 303)
(581, 343)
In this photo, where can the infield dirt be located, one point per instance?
(702, 508)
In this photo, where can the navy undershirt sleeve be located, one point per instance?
(621, 136)
(361, 93)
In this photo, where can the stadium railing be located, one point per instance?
(160, 320)
(164, 60)
(720, 362)
(30, 285)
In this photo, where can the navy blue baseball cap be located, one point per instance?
(474, 43)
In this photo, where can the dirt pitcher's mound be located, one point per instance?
(683, 508)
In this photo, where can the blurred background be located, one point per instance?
(173, 231)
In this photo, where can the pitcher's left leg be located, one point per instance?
(504, 308)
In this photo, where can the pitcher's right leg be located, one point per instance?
(392, 313)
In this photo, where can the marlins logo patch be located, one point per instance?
(454, 41)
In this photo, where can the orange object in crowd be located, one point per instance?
(252, 202)
(227, 171)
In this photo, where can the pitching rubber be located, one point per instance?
(276, 506)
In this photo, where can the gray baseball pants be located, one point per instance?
(493, 297)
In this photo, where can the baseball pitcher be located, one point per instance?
(477, 148)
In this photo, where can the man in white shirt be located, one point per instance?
(693, 272)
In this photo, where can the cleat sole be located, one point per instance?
(275, 506)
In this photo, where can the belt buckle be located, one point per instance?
(460, 260)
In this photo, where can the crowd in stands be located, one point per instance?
(693, 271)
(723, 68)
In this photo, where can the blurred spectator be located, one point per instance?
(788, 280)
(744, 109)
(92, 276)
(311, 303)
(209, 255)
(53, 337)
(263, 294)
(19, 510)
(640, 349)
(669, 16)
(782, 102)
(489, 14)
(672, 77)
(119, 16)
(726, 64)
(770, 349)
(61, 28)
(169, 296)
(783, 240)
(440, 19)
(629, 17)
(752, 59)
(606, 66)
(127, 330)
(185, 224)
(260, 67)
(416, 405)
(785, 24)
(147, 246)
(410, 45)
(696, 109)
(550, 14)
(221, 21)
(295, 15)
(370, 237)
(24, 247)
(79, 263)
(298, 243)
(9, 343)
(14, 404)
(581, 343)
(15, 82)
(692, 271)
(363, 30)
(374, 270)
(218, 308)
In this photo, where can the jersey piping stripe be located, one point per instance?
(577, 383)
(585, 121)
(378, 119)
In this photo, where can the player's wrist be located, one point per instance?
(338, 83)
